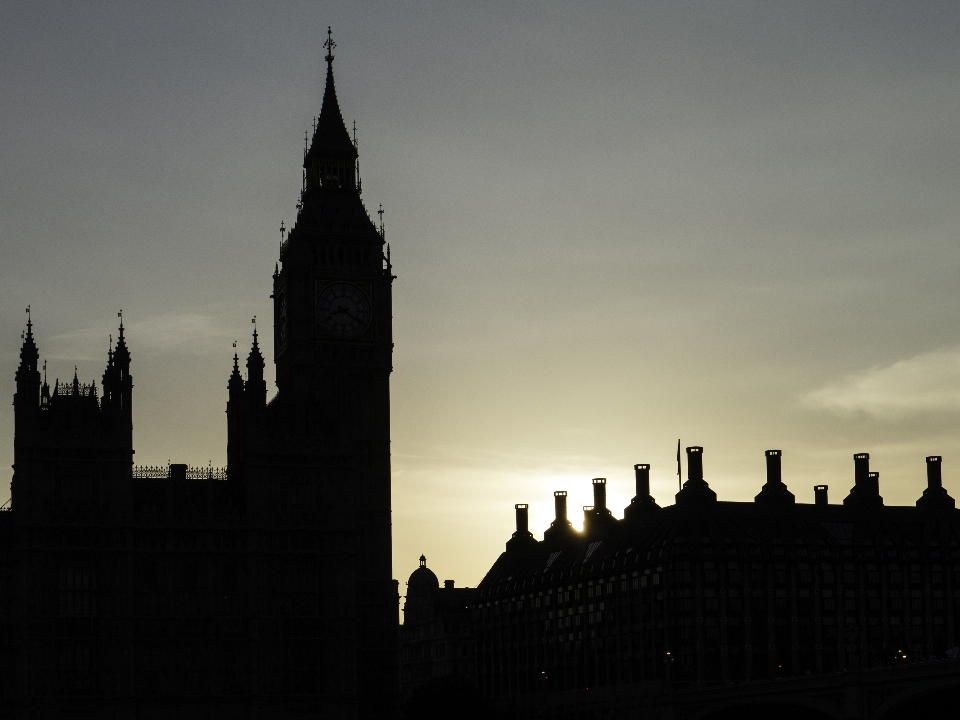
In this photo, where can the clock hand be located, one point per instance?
(346, 311)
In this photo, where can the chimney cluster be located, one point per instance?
(695, 492)
(865, 492)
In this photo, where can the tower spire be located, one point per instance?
(330, 132)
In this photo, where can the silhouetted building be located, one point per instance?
(436, 638)
(264, 591)
(705, 592)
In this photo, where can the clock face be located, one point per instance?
(343, 310)
(282, 318)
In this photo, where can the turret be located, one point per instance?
(255, 389)
(26, 401)
(118, 387)
(235, 414)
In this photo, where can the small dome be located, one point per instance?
(422, 578)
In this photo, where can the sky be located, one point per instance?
(614, 225)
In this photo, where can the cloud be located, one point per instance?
(178, 333)
(929, 382)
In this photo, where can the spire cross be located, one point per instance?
(254, 321)
(120, 315)
(380, 213)
(329, 45)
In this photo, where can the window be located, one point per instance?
(76, 590)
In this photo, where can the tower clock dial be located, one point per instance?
(343, 310)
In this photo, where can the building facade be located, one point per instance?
(708, 593)
(262, 591)
(436, 637)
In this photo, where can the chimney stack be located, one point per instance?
(866, 485)
(695, 464)
(448, 584)
(522, 537)
(600, 494)
(773, 467)
(935, 497)
(695, 490)
(642, 501)
(560, 506)
(560, 531)
(820, 494)
(642, 474)
(934, 478)
(861, 469)
(522, 518)
(774, 492)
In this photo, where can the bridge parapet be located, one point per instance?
(873, 694)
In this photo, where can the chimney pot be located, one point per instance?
(448, 584)
(820, 494)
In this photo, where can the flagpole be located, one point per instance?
(679, 474)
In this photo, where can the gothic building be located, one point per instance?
(707, 593)
(264, 591)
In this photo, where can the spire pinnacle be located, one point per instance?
(121, 355)
(329, 45)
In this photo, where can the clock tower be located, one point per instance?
(312, 466)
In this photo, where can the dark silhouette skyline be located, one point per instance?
(262, 591)
(624, 224)
(702, 607)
